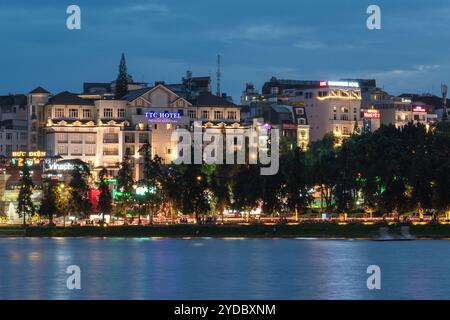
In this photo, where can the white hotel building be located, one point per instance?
(331, 106)
(101, 132)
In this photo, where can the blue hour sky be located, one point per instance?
(296, 39)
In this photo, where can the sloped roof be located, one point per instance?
(39, 90)
(134, 94)
(207, 99)
(68, 98)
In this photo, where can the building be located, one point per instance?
(37, 99)
(330, 106)
(401, 110)
(290, 119)
(13, 124)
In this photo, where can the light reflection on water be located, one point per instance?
(121, 268)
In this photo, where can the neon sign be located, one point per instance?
(371, 114)
(343, 84)
(162, 116)
(21, 158)
(420, 109)
(61, 166)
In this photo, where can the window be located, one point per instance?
(61, 137)
(143, 137)
(59, 113)
(218, 115)
(90, 151)
(231, 115)
(76, 151)
(344, 117)
(107, 113)
(76, 138)
(87, 113)
(139, 111)
(323, 93)
(8, 136)
(121, 113)
(205, 114)
(169, 151)
(344, 109)
(192, 114)
(168, 126)
(62, 150)
(301, 121)
(308, 95)
(73, 113)
(90, 138)
(110, 138)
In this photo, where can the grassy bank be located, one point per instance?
(320, 230)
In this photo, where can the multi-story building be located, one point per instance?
(13, 124)
(331, 106)
(291, 119)
(401, 110)
(37, 99)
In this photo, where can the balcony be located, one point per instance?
(111, 152)
(110, 140)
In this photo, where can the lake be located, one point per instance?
(148, 268)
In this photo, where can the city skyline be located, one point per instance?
(254, 44)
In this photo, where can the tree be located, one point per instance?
(105, 198)
(322, 156)
(246, 188)
(122, 79)
(441, 166)
(194, 196)
(79, 190)
(220, 184)
(50, 205)
(125, 186)
(296, 175)
(150, 187)
(25, 204)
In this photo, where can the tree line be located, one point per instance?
(389, 171)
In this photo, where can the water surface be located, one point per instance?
(116, 268)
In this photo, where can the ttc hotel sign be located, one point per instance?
(162, 116)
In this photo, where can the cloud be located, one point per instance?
(264, 32)
(144, 7)
(404, 72)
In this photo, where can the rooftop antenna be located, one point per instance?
(218, 74)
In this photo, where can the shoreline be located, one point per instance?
(305, 230)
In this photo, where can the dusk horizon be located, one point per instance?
(162, 40)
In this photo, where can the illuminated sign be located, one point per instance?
(343, 84)
(371, 114)
(323, 84)
(289, 126)
(420, 109)
(162, 116)
(67, 166)
(30, 154)
(30, 158)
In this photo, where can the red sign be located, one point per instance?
(420, 109)
(371, 114)
(289, 126)
(323, 84)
